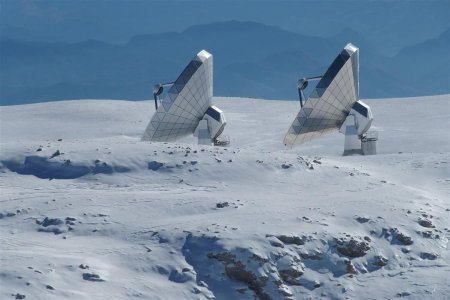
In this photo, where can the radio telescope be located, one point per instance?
(187, 109)
(334, 105)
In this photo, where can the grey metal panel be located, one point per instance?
(186, 102)
(330, 102)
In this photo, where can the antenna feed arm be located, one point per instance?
(302, 85)
(158, 90)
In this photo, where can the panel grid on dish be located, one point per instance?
(330, 102)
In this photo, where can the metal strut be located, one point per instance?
(302, 84)
(158, 89)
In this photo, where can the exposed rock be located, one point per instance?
(380, 261)
(404, 239)
(429, 255)
(426, 223)
(290, 275)
(287, 239)
(49, 221)
(353, 248)
(70, 221)
(53, 229)
(286, 166)
(222, 204)
(92, 277)
(54, 225)
(259, 259)
(362, 219)
(428, 234)
(19, 296)
(237, 271)
(56, 153)
(350, 268)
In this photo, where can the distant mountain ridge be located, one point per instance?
(392, 24)
(431, 57)
(250, 60)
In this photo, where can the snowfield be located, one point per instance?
(88, 211)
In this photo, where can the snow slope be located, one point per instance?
(90, 212)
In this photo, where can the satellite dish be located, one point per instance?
(188, 108)
(334, 105)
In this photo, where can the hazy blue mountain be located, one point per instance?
(427, 63)
(33, 71)
(391, 24)
(251, 60)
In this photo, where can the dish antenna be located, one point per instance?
(334, 105)
(188, 108)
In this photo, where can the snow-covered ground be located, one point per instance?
(90, 212)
